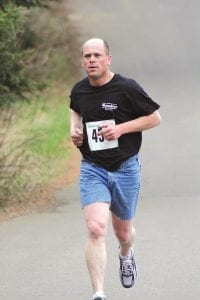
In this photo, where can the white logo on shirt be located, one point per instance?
(109, 106)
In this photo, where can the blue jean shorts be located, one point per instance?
(119, 188)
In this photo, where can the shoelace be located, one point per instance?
(127, 267)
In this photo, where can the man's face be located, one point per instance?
(95, 60)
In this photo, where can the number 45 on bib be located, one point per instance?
(97, 142)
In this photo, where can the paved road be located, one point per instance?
(157, 43)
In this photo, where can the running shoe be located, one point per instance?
(128, 270)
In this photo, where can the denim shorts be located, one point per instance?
(119, 188)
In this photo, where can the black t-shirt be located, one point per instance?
(121, 100)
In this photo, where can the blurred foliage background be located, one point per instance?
(37, 49)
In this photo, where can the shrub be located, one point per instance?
(26, 3)
(12, 58)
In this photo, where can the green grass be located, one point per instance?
(36, 144)
(50, 129)
(44, 123)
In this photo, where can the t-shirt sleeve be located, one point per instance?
(140, 100)
(73, 101)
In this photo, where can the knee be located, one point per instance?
(96, 229)
(123, 235)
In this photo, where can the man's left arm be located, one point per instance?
(111, 132)
(141, 123)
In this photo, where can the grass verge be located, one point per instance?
(36, 147)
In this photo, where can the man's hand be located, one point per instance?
(77, 137)
(110, 131)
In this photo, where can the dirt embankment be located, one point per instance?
(44, 196)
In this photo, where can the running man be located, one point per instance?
(108, 114)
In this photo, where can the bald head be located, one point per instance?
(96, 42)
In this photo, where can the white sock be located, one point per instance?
(99, 294)
(127, 256)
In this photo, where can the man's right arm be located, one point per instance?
(76, 128)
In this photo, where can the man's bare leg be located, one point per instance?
(96, 216)
(125, 233)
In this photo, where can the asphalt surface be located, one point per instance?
(41, 255)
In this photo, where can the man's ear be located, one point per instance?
(109, 60)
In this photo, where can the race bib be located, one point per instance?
(97, 142)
